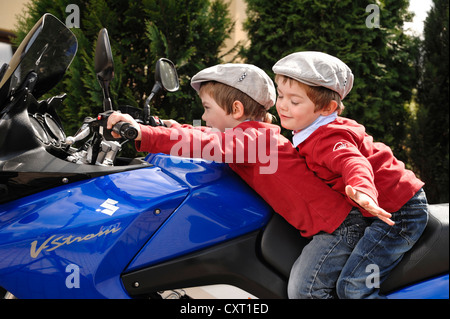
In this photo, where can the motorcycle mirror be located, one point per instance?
(166, 74)
(104, 66)
(166, 78)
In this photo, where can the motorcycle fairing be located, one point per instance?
(234, 262)
(434, 288)
(148, 227)
(96, 225)
(220, 207)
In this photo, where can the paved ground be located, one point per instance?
(211, 292)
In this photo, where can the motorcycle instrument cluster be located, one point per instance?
(47, 130)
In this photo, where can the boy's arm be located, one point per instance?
(173, 123)
(181, 140)
(200, 128)
(340, 154)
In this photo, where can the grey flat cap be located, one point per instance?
(317, 69)
(245, 77)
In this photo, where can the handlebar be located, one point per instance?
(125, 130)
(82, 134)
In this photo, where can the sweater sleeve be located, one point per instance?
(182, 140)
(245, 144)
(338, 151)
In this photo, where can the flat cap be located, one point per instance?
(247, 78)
(317, 69)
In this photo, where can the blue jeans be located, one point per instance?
(358, 256)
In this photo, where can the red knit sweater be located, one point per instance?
(341, 153)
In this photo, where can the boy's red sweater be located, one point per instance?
(341, 153)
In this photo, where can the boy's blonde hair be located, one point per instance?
(319, 95)
(225, 95)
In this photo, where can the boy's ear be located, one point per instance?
(238, 110)
(330, 108)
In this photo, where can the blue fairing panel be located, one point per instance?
(220, 207)
(435, 288)
(94, 227)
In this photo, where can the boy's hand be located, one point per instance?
(116, 117)
(366, 202)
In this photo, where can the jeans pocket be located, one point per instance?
(354, 227)
(354, 234)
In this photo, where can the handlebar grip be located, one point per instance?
(125, 130)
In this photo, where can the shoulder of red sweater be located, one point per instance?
(340, 129)
(345, 121)
(257, 125)
(343, 124)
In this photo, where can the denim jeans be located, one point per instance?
(358, 256)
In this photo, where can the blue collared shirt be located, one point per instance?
(299, 137)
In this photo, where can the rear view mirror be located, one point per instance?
(166, 77)
(166, 74)
(104, 66)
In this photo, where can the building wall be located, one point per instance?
(238, 15)
(9, 9)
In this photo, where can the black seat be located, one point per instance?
(281, 244)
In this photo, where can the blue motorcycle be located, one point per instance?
(79, 221)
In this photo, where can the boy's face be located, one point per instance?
(214, 115)
(294, 107)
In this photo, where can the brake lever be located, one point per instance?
(156, 121)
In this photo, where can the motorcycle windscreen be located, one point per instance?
(48, 50)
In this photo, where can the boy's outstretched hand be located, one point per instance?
(366, 202)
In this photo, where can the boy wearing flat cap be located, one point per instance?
(311, 87)
(236, 98)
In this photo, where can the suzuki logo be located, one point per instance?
(109, 207)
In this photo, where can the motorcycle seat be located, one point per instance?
(281, 244)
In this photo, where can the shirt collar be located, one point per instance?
(301, 136)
